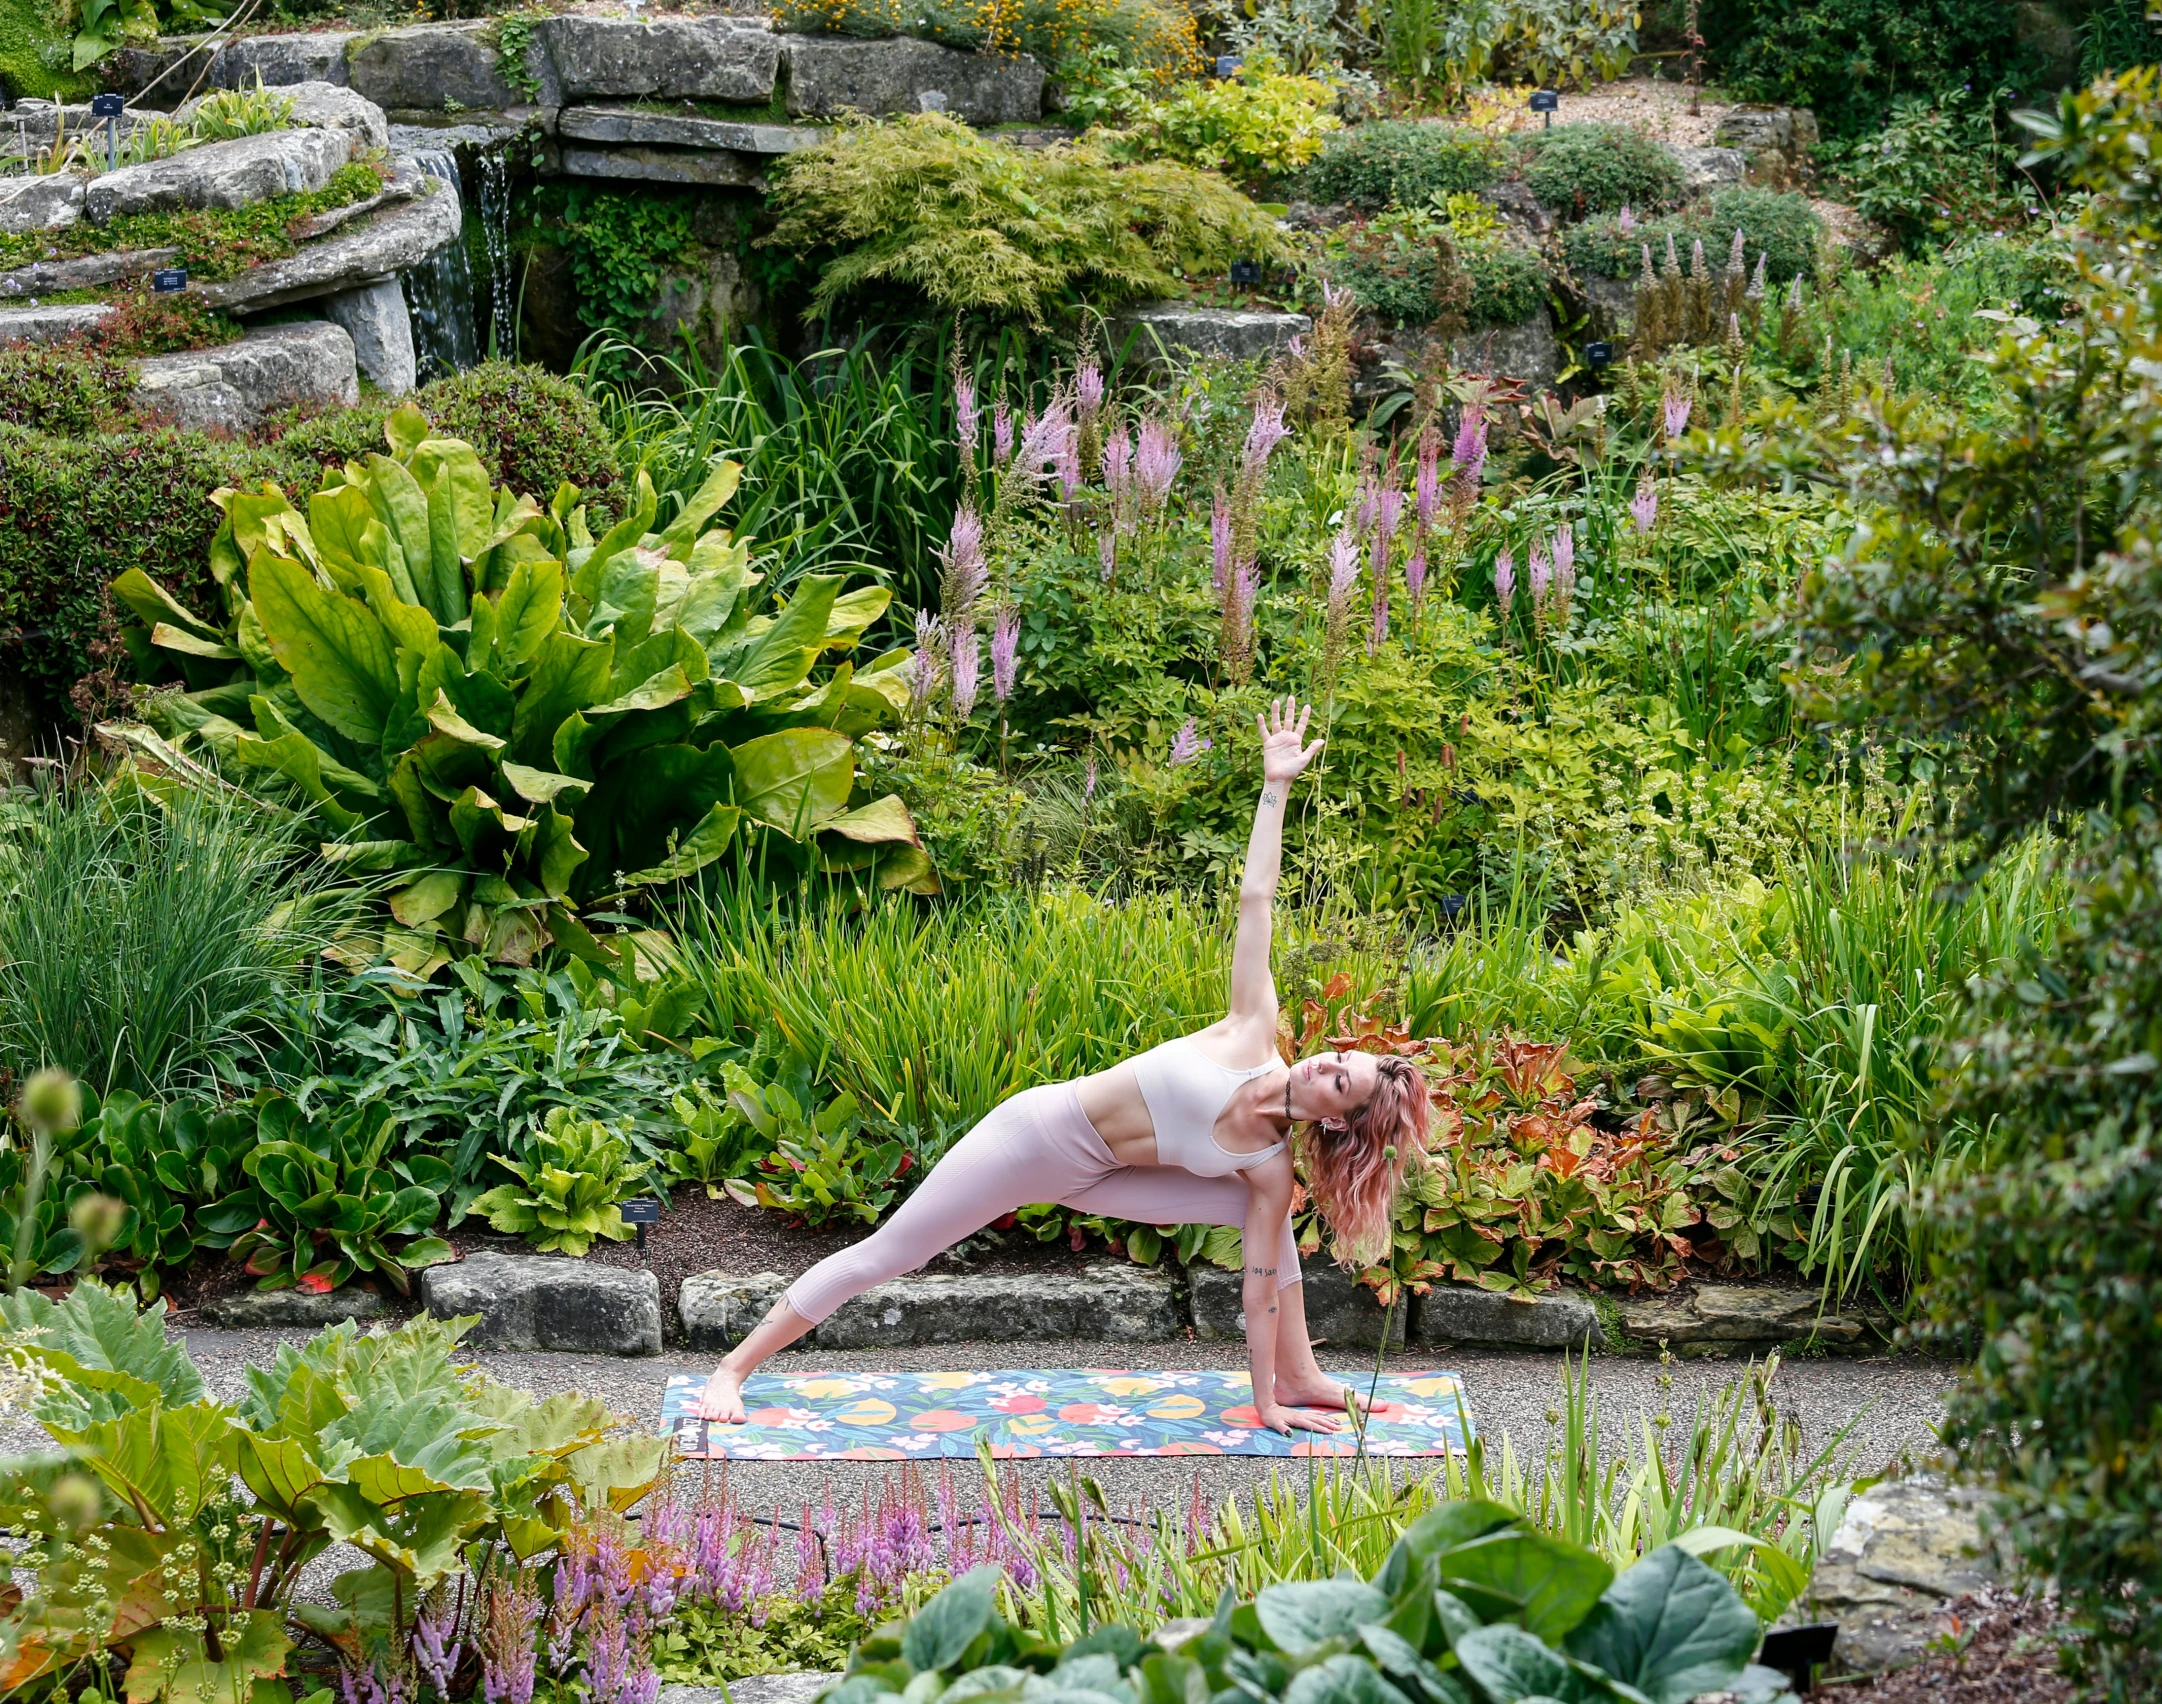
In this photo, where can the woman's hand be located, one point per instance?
(1281, 755)
(1278, 1418)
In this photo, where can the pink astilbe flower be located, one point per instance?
(1368, 502)
(1107, 552)
(1644, 509)
(1415, 579)
(1088, 386)
(1220, 542)
(1156, 462)
(1388, 511)
(1426, 484)
(1378, 636)
(1068, 465)
(1505, 579)
(608, 1656)
(1675, 413)
(1187, 744)
(1332, 297)
(1005, 651)
(1266, 431)
(1002, 432)
(1565, 565)
(1542, 576)
(1088, 778)
(1118, 462)
(924, 669)
(810, 1560)
(1045, 438)
(1343, 565)
(967, 571)
(1468, 454)
(435, 1649)
(964, 412)
(508, 1654)
(967, 666)
(1296, 348)
(1625, 221)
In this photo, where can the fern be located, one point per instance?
(970, 223)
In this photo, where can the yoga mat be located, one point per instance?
(1036, 1411)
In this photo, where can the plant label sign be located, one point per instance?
(1547, 101)
(644, 1211)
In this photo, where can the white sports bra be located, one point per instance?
(1185, 1091)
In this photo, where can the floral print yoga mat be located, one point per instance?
(1034, 1411)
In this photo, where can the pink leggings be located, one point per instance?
(1037, 1146)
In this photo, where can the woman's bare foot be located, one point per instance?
(1321, 1392)
(722, 1399)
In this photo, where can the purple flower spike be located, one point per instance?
(1156, 462)
(1187, 744)
(1002, 431)
(964, 412)
(1676, 413)
(1415, 577)
(1089, 390)
(1625, 221)
(923, 677)
(1379, 636)
(1343, 565)
(966, 569)
(1220, 543)
(967, 668)
(1644, 510)
(1005, 651)
(1426, 484)
(1118, 464)
(1469, 451)
(1542, 574)
(1088, 779)
(1044, 439)
(1505, 578)
(1266, 432)
(435, 1650)
(1388, 510)
(1565, 564)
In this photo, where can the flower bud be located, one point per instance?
(74, 1503)
(98, 1220)
(52, 1102)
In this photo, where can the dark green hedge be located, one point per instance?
(1582, 169)
(78, 511)
(1400, 162)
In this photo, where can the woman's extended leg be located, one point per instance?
(1167, 1195)
(1023, 1151)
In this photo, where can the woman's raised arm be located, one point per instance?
(1283, 756)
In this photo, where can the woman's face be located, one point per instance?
(1333, 1085)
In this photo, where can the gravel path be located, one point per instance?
(1898, 1399)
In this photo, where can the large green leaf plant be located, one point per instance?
(514, 717)
(139, 1541)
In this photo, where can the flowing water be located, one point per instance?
(458, 319)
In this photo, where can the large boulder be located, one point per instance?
(1111, 1303)
(713, 169)
(83, 272)
(540, 1301)
(376, 318)
(1528, 351)
(715, 58)
(1744, 1319)
(49, 203)
(48, 322)
(236, 387)
(437, 67)
(292, 1310)
(332, 106)
(222, 174)
(278, 61)
(1904, 1549)
(1160, 334)
(365, 250)
(830, 75)
(717, 1309)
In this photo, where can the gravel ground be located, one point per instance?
(1898, 1400)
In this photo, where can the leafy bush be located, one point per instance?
(1471, 1597)
(144, 944)
(1256, 126)
(327, 1198)
(1400, 162)
(965, 222)
(151, 322)
(823, 1165)
(1568, 43)
(384, 1442)
(1847, 60)
(570, 1178)
(1934, 172)
(62, 387)
(1581, 169)
(1771, 222)
(224, 115)
(1978, 620)
(1508, 282)
(604, 739)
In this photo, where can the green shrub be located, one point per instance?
(1581, 169)
(1772, 223)
(63, 388)
(1508, 282)
(1934, 172)
(81, 502)
(1400, 161)
(1846, 60)
(1257, 126)
(965, 222)
(152, 322)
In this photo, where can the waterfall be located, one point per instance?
(495, 244)
(439, 291)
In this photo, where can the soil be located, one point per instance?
(697, 1234)
(1659, 109)
(2006, 1653)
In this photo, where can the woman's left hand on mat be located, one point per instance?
(1288, 1420)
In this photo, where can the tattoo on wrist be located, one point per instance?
(1268, 795)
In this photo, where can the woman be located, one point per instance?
(1192, 1132)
